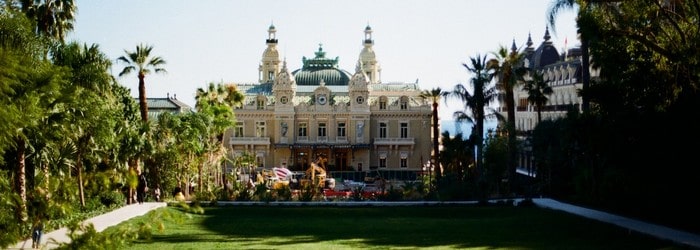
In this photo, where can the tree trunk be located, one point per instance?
(512, 137)
(200, 172)
(21, 181)
(143, 105)
(585, 74)
(79, 166)
(436, 142)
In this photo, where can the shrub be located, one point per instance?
(113, 198)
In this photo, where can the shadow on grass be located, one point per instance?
(395, 227)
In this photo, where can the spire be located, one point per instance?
(529, 40)
(546, 34)
(513, 48)
(358, 66)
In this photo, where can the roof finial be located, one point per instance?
(529, 40)
(513, 48)
(546, 34)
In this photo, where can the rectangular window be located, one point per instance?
(382, 104)
(322, 129)
(302, 129)
(238, 132)
(404, 130)
(260, 129)
(404, 105)
(260, 104)
(341, 129)
(382, 130)
(404, 163)
(382, 162)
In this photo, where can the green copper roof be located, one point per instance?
(321, 68)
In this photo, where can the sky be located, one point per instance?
(222, 41)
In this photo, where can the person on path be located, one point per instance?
(156, 193)
(141, 188)
(37, 231)
(38, 211)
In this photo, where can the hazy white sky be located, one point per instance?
(223, 41)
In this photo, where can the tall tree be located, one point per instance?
(86, 92)
(457, 155)
(29, 84)
(434, 95)
(142, 62)
(475, 104)
(537, 91)
(217, 101)
(508, 70)
(54, 18)
(557, 7)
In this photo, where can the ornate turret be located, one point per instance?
(284, 89)
(358, 90)
(370, 66)
(270, 64)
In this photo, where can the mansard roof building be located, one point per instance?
(351, 118)
(562, 72)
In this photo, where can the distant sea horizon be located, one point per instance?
(465, 128)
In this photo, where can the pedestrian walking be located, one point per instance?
(37, 231)
(141, 188)
(156, 193)
(38, 212)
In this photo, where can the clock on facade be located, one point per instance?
(322, 99)
(360, 99)
(283, 100)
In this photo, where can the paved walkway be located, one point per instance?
(117, 216)
(49, 240)
(661, 232)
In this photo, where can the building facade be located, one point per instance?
(170, 104)
(356, 122)
(562, 72)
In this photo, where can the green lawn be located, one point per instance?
(453, 227)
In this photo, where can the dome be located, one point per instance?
(314, 77)
(321, 68)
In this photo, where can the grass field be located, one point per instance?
(436, 227)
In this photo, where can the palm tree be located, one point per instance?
(141, 61)
(217, 102)
(555, 8)
(457, 155)
(434, 95)
(508, 69)
(89, 112)
(31, 84)
(54, 18)
(476, 103)
(537, 90)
